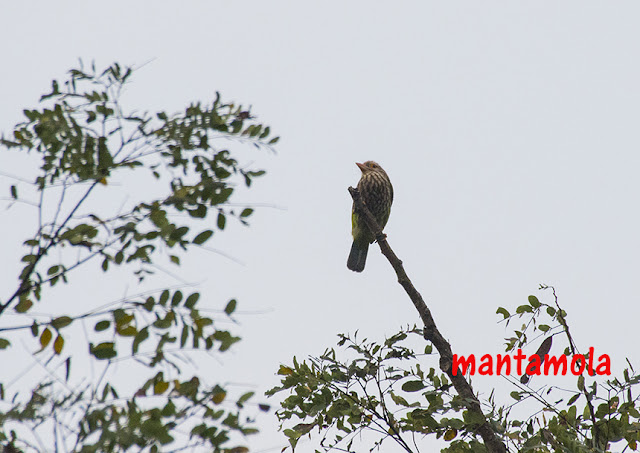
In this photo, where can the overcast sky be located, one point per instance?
(509, 131)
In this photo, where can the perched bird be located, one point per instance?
(377, 194)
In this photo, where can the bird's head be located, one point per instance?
(369, 166)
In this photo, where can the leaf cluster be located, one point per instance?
(86, 145)
(383, 389)
(367, 392)
(593, 416)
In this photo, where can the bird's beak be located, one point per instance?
(362, 167)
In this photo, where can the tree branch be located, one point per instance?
(431, 332)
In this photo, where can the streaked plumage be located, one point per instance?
(377, 193)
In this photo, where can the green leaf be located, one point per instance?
(127, 331)
(23, 306)
(472, 418)
(204, 236)
(524, 309)
(199, 213)
(184, 336)
(246, 212)
(149, 303)
(534, 302)
(61, 322)
(103, 351)
(4, 343)
(399, 400)
(222, 220)
(503, 312)
(14, 192)
(53, 270)
(192, 300)
(244, 398)
(573, 399)
(29, 259)
(140, 337)
(176, 299)
(231, 307)
(413, 386)
(102, 326)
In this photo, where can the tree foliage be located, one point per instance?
(365, 393)
(182, 182)
(389, 391)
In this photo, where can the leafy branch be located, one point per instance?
(87, 145)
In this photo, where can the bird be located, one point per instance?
(377, 193)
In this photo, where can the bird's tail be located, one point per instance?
(357, 256)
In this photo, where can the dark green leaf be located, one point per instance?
(61, 322)
(139, 338)
(573, 399)
(231, 307)
(103, 351)
(204, 236)
(222, 220)
(102, 325)
(413, 386)
(192, 300)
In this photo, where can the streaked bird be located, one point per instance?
(377, 194)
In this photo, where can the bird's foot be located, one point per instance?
(381, 237)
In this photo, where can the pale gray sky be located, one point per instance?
(509, 131)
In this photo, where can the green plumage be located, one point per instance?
(377, 194)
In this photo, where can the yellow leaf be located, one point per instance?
(450, 434)
(103, 181)
(24, 305)
(45, 338)
(219, 397)
(160, 387)
(58, 344)
(285, 370)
